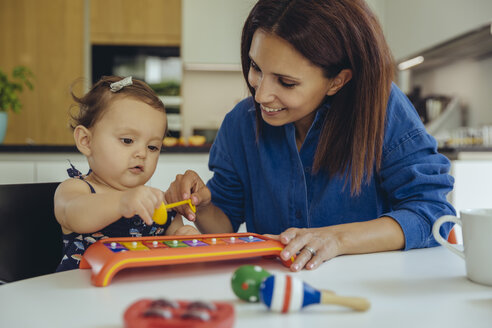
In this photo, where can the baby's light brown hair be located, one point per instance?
(91, 106)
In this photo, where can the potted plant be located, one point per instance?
(10, 89)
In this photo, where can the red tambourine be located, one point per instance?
(148, 313)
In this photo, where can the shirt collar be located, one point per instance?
(321, 112)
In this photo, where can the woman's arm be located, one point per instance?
(415, 179)
(413, 176)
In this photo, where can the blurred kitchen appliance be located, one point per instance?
(160, 67)
(131, 60)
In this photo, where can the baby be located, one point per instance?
(119, 127)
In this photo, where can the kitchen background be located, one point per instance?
(189, 51)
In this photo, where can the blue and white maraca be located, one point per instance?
(283, 293)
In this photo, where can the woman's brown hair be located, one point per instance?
(336, 35)
(92, 105)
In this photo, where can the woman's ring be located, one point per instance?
(310, 250)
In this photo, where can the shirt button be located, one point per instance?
(298, 214)
(307, 169)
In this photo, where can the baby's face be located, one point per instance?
(126, 143)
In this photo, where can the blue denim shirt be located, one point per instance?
(269, 184)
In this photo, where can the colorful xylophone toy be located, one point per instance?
(108, 256)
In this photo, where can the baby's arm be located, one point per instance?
(177, 227)
(78, 210)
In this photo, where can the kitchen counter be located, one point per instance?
(71, 148)
(464, 153)
(451, 153)
(49, 163)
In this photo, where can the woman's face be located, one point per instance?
(288, 87)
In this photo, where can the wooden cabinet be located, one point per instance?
(50, 38)
(130, 22)
(47, 37)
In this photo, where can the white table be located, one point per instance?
(418, 288)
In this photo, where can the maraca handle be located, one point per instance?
(356, 303)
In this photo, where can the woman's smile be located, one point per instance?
(270, 110)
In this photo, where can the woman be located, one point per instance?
(327, 155)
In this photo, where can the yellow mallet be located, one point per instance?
(160, 214)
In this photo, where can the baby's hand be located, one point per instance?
(187, 230)
(141, 201)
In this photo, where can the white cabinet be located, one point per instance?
(38, 167)
(56, 171)
(212, 30)
(171, 165)
(473, 184)
(12, 172)
(210, 49)
(31, 168)
(52, 167)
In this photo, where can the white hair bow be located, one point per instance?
(117, 86)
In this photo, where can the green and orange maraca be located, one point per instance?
(246, 281)
(284, 293)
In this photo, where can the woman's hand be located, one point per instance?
(315, 245)
(188, 186)
(141, 201)
(312, 246)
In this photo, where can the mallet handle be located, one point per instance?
(186, 201)
(356, 303)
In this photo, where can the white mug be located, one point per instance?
(476, 225)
